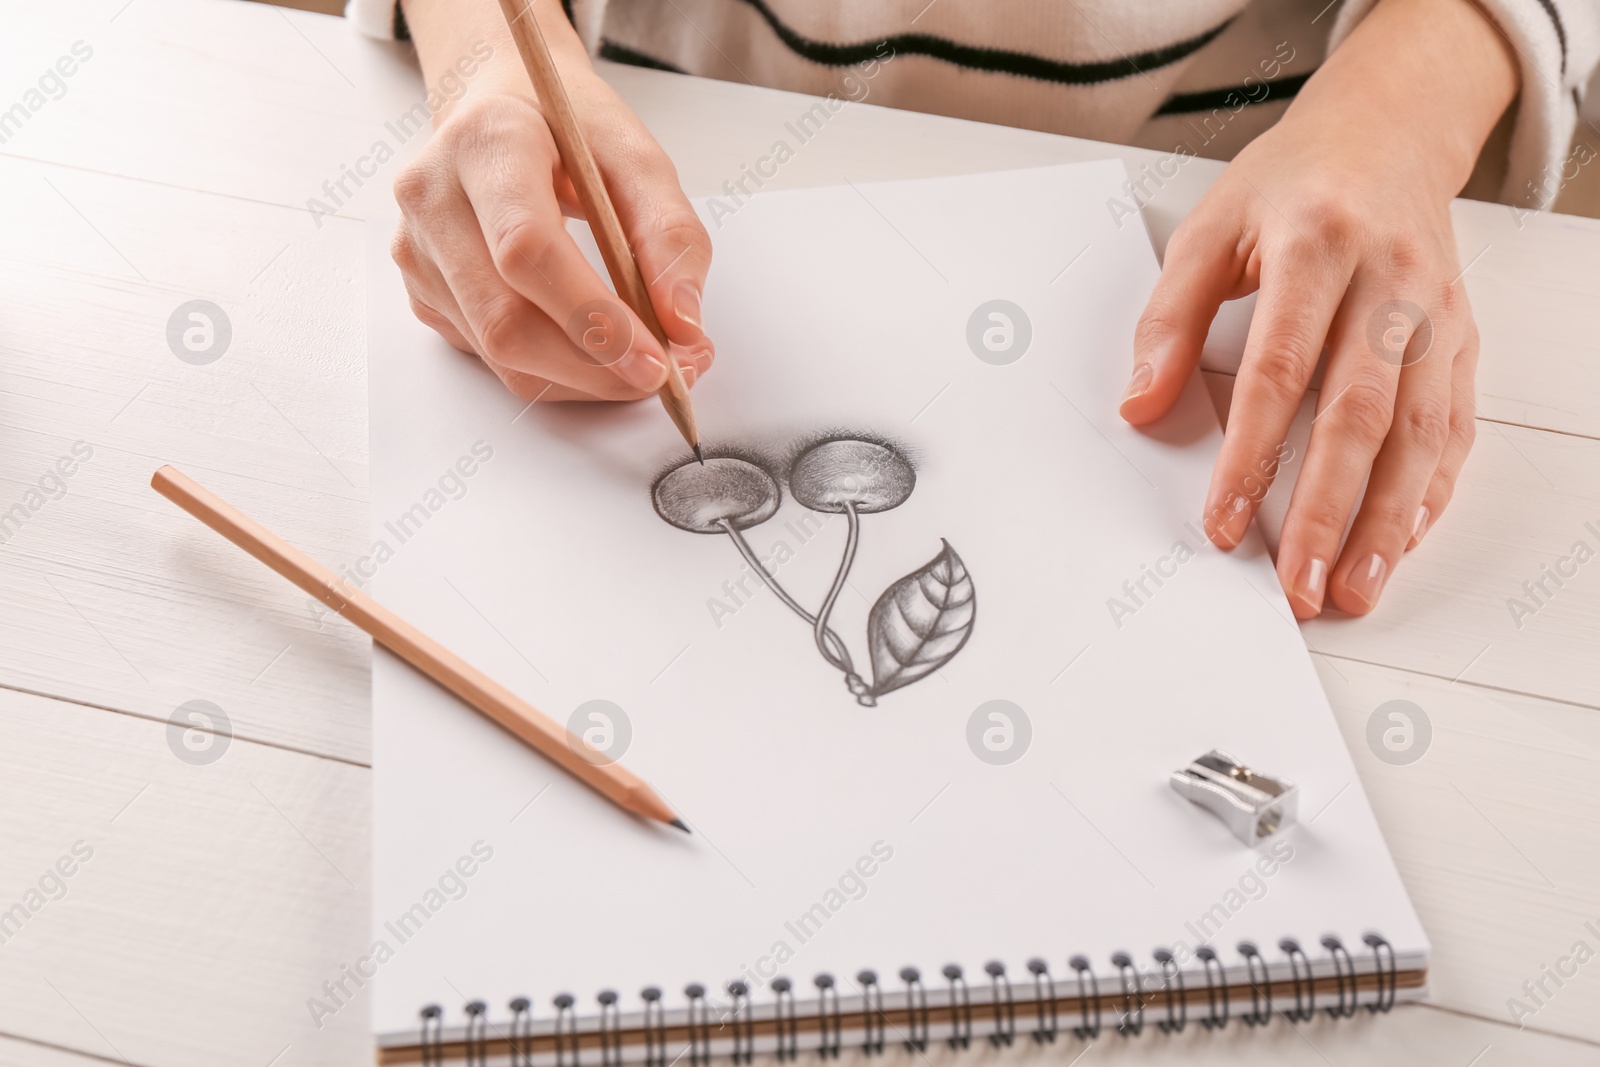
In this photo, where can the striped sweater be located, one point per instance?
(1200, 77)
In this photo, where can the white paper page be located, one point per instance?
(843, 309)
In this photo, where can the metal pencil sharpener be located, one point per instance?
(1254, 806)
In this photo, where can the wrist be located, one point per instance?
(466, 50)
(1418, 86)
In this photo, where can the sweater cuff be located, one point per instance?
(1557, 44)
(382, 19)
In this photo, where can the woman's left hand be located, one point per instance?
(1339, 219)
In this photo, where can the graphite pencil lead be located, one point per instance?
(699, 454)
(680, 824)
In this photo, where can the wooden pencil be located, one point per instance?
(552, 740)
(596, 201)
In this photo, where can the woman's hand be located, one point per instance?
(482, 242)
(1338, 217)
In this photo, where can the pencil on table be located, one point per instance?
(537, 730)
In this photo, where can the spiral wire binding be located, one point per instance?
(830, 1026)
(741, 1022)
(610, 1029)
(477, 1033)
(784, 1022)
(1376, 942)
(1044, 992)
(1005, 1008)
(1085, 1030)
(521, 1037)
(655, 1027)
(1260, 989)
(1344, 971)
(872, 1018)
(566, 1027)
(960, 1008)
(1177, 997)
(699, 1025)
(916, 1010)
(1215, 983)
(1131, 1024)
(1304, 1010)
(432, 1036)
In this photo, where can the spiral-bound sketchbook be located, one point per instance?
(914, 654)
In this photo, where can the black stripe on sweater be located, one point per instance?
(1211, 99)
(621, 53)
(994, 60)
(1561, 31)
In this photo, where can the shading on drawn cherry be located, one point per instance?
(701, 497)
(838, 472)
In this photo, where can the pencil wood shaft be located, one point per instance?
(596, 201)
(552, 740)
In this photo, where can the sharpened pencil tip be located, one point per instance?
(680, 824)
(699, 454)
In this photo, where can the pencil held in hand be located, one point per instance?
(590, 187)
(535, 729)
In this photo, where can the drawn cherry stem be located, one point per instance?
(852, 538)
(838, 655)
(858, 686)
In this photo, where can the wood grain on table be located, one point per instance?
(221, 895)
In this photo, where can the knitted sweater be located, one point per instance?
(1197, 77)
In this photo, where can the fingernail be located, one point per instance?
(1139, 384)
(642, 369)
(1311, 584)
(701, 357)
(1366, 580)
(686, 304)
(1227, 521)
(1419, 525)
(689, 374)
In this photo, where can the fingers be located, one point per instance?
(1302, 285)
(1356, 418)
(513, 203)
(1202, 269)
(1463, 431)
(462, 286)
(1392, 507)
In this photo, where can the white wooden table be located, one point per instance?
(220, 895)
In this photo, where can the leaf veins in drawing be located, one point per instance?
(917, 625)
(921, 622)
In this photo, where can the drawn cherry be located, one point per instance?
(848, 474)
(722, 495)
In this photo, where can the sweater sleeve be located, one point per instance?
(384, 19)
(377, 18)
(1558, 46)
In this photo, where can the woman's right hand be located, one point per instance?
(486, 256)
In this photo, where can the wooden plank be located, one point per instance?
(205, 901)
(1492, 827)
(112, 595)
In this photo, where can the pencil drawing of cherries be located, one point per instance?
(917, 625)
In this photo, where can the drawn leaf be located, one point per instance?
(921, 621)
